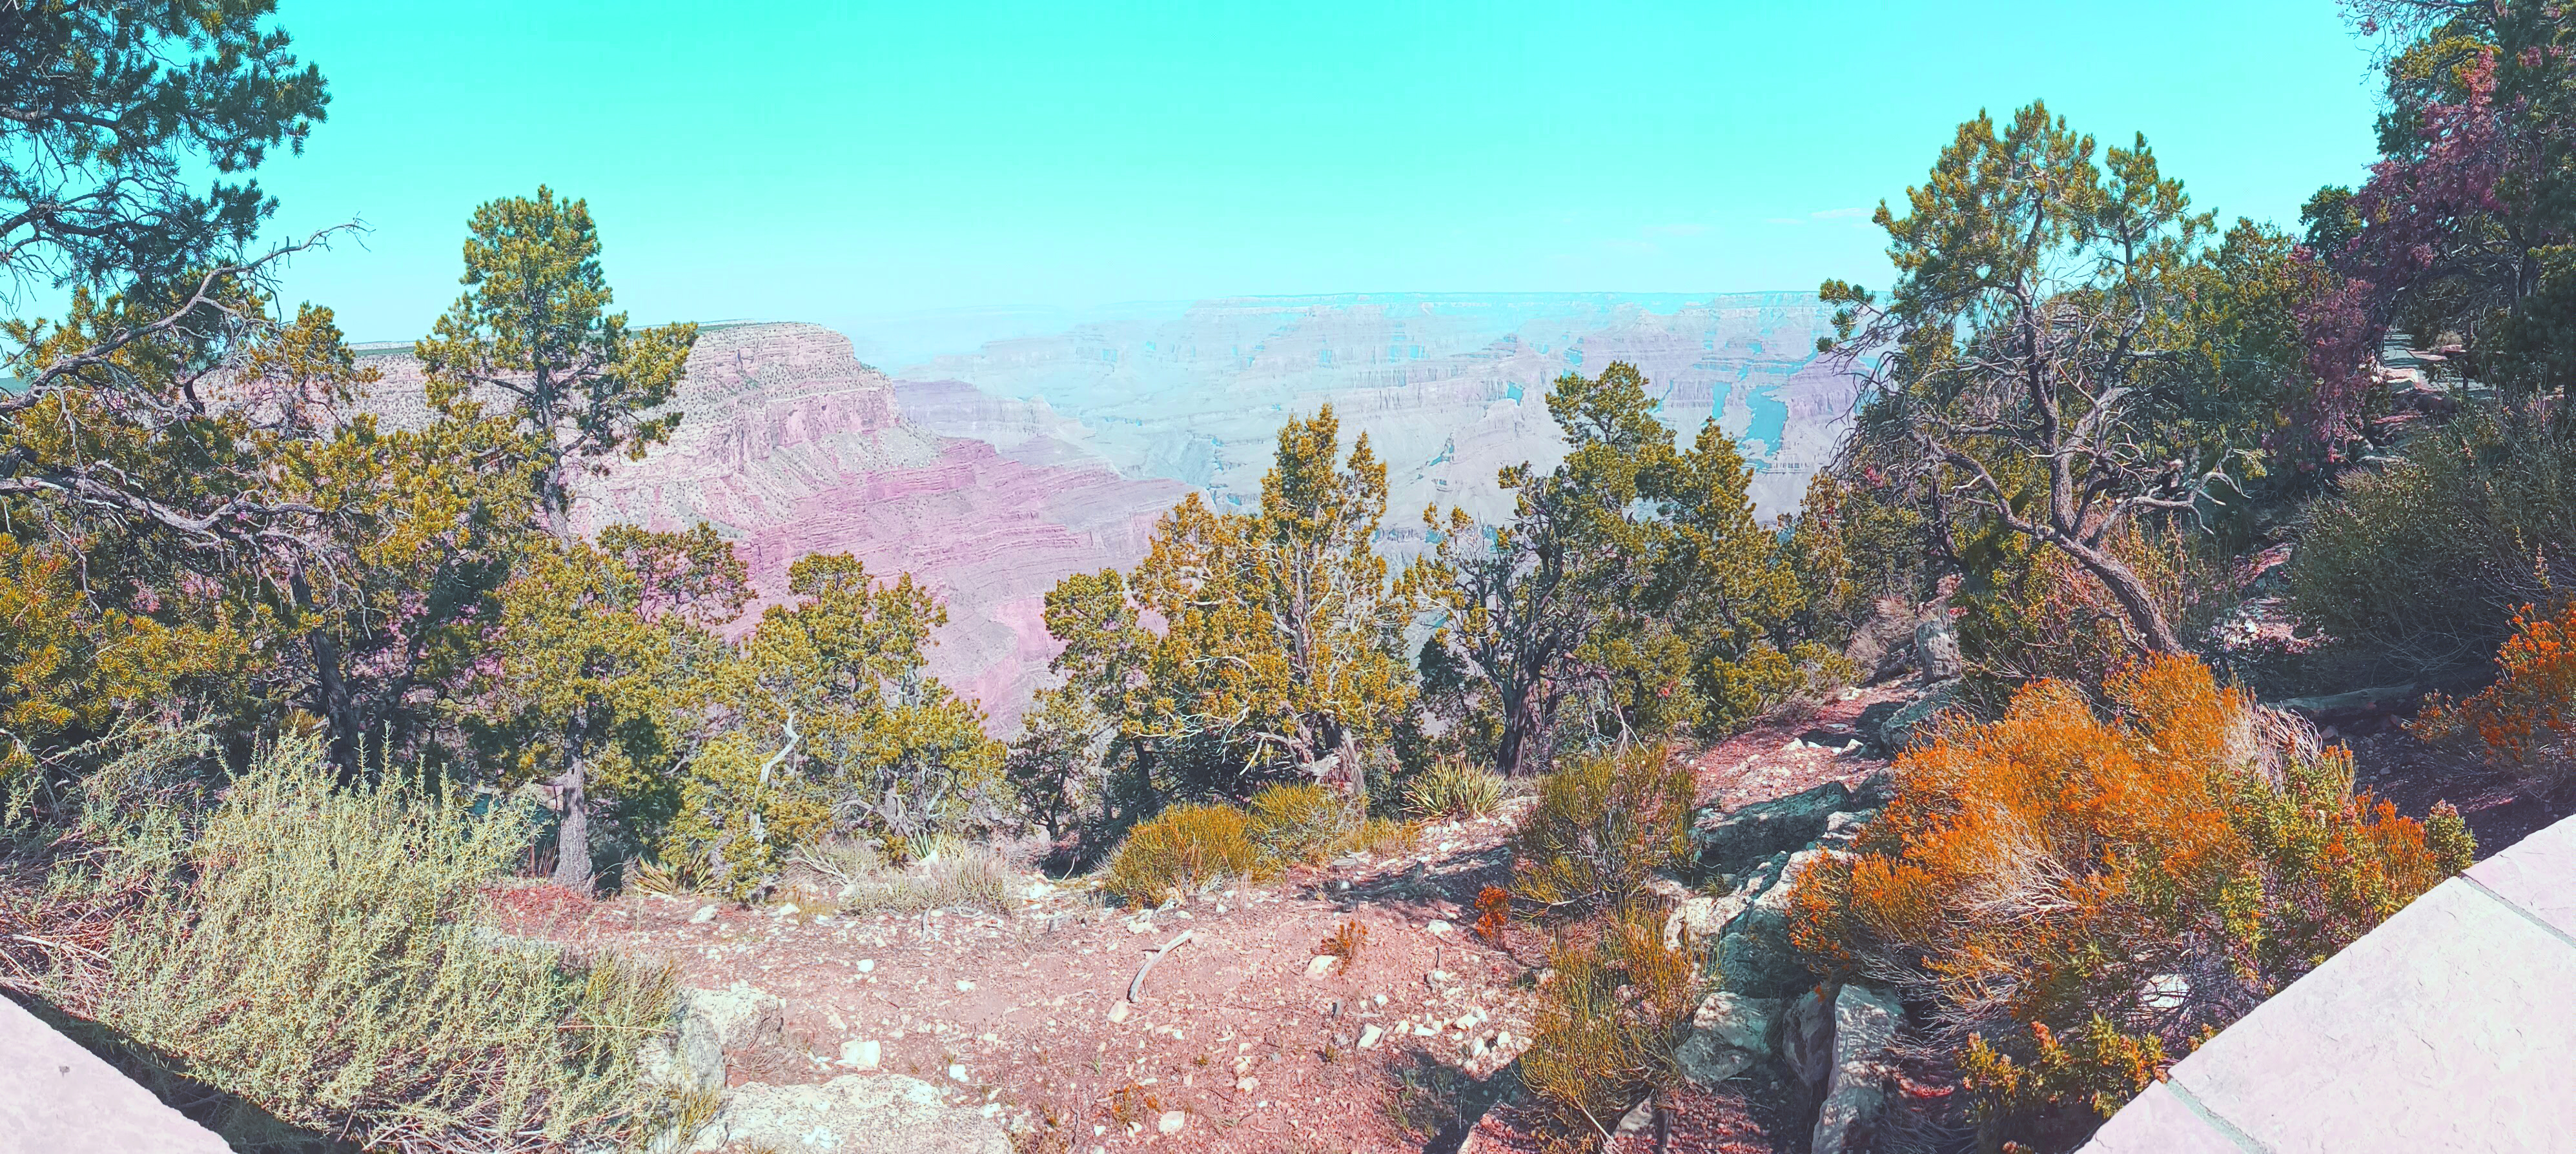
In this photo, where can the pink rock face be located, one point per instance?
(789, 446)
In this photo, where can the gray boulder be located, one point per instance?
(1865, 1024)
(1936, 648)
(704, 1026)
(1807, 1037)
(1754, 958)
(1728, 1034)
(851, 1114)
(1729, 843)
(1911, 721)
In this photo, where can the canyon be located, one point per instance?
(990, 474)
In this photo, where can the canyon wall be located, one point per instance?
(789, 446)
(991, 475)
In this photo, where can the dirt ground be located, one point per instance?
(1240, 1031)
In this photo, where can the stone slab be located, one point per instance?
(2537, 873)
(57, 1098)
(2449, 1028)
(2159, 1122)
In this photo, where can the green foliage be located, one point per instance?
(2064, 352)
(1275, 634)
(1606, 1027)
(532, 330)
(319, 952)
(1632, 594)
(1186, 849)
(1454, 789)
(593, 678)
(117, 111)
(2418, 565)
(1294, 822)
(1603, 825)
(900, 754)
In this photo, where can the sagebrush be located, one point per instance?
(1186, 849)
(1604, 824)
(2077, 901)
(320, 952)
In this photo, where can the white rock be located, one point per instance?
(1246, 1085)
(1437, 926)
(704, 915)
(1369, 1037)
(866, 965)
(787, 910)
(1865, 1023)
(956, 1071)
(860, 1054)
(1171, 1122)
(963, 985)
(1118, 1011)
(1319, 965)
(1728, 1034)
(851, 1114)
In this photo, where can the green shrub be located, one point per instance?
(1188, 847)
(1454, 789)
(1607, 1025)
(318, 952)
(1299, 823)
(1603, 824)
(2418, 566)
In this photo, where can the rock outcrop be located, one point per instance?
(851, 1114)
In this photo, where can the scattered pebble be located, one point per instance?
(956, 1071)
(867, 965)
(1369, 1037)
(1118, 1011)
(963, 985)
(861, 1055)
(1437, 926)
(704, 915)
(1172, 1122)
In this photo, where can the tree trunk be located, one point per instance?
(2132, 595)
(331, 700)
(572, 842)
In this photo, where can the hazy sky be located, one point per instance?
(832, 162)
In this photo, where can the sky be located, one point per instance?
(849, 163)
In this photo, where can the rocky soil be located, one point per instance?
(1239, 1039)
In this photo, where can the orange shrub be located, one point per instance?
(2074, 898)
(2527, 718)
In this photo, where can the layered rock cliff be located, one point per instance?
(789, 446)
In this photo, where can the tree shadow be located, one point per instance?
(1441, 1103)
(241, 1123)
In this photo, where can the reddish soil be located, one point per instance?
(1230, 1030)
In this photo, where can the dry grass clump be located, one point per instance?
(317, 951)
(950, 874)
(1455, 789)
(1606, 1027)
(1603, 825)
(1303, 822)
(2077, 900)
(1186, 849)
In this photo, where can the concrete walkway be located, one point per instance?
(2451, 1027)
(57, 1098)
